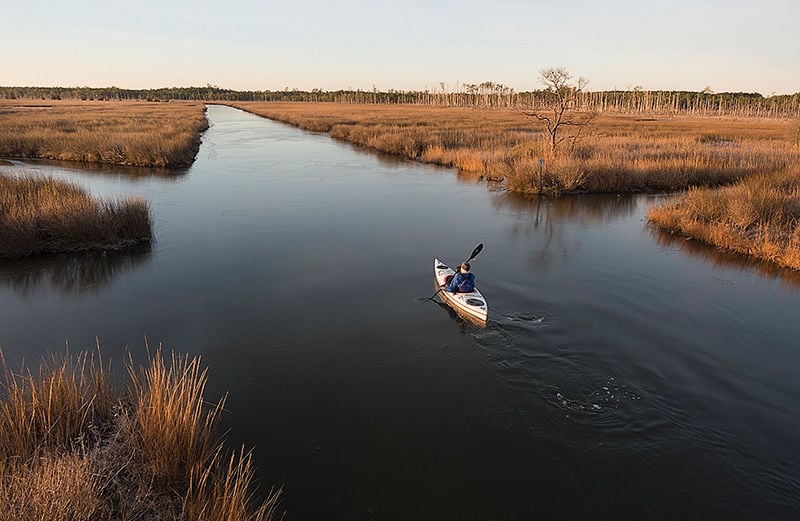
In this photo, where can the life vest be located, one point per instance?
(468, 284)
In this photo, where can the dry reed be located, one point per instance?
(54, 487)
(125, 133)
(228, 498)
(173, 430)
(66, 400)
(45, 215)
(74, 448)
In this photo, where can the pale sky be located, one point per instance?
(727, 45)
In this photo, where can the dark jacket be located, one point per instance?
(461, 283)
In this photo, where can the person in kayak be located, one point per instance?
(463, 281)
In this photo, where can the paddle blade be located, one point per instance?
(475, 252)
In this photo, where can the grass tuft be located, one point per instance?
(172, 430)
(74, 448)
(45, 215)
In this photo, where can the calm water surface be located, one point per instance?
(622, 375)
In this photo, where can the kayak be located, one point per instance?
(471, 305)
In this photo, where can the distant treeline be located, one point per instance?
(484, 95)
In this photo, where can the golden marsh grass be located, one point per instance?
(758, 216)
(117, 132)
(44, 215)
(72, 447)
(619, 153)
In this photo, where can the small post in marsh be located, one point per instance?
(541, 169)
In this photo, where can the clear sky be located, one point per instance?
(727, 45)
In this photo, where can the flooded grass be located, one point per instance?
(45, 215)
(125, 133)
(72, 447)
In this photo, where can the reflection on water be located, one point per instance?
(466, 324)
(70, 274)
(595, 209)
(726, 259)
(75, 274)
(131, 173)
(588, 209)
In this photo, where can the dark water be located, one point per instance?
(622, 375)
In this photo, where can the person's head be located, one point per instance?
(465, 267)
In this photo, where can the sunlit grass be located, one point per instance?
(54, 486)
(618, 153)
(126, 133)
(45, 215)
(73, 447)
(758, 216)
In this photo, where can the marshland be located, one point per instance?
(615, 153)
(136, 133)
(612, 153)
(623, 371)
(40, 216)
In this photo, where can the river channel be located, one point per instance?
(623, 374)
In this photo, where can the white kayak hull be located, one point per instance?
(471, 305)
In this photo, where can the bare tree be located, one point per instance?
(559, 110)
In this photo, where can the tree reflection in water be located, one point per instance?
(586, 209)
(544, 215)
(70, 274)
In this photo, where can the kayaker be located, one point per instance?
(463, 281)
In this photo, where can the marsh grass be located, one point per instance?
(173, 430)
(758, 216)
(46, 215)
(125, 133)
(55, 487)
(74, 448)
(619, 153)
